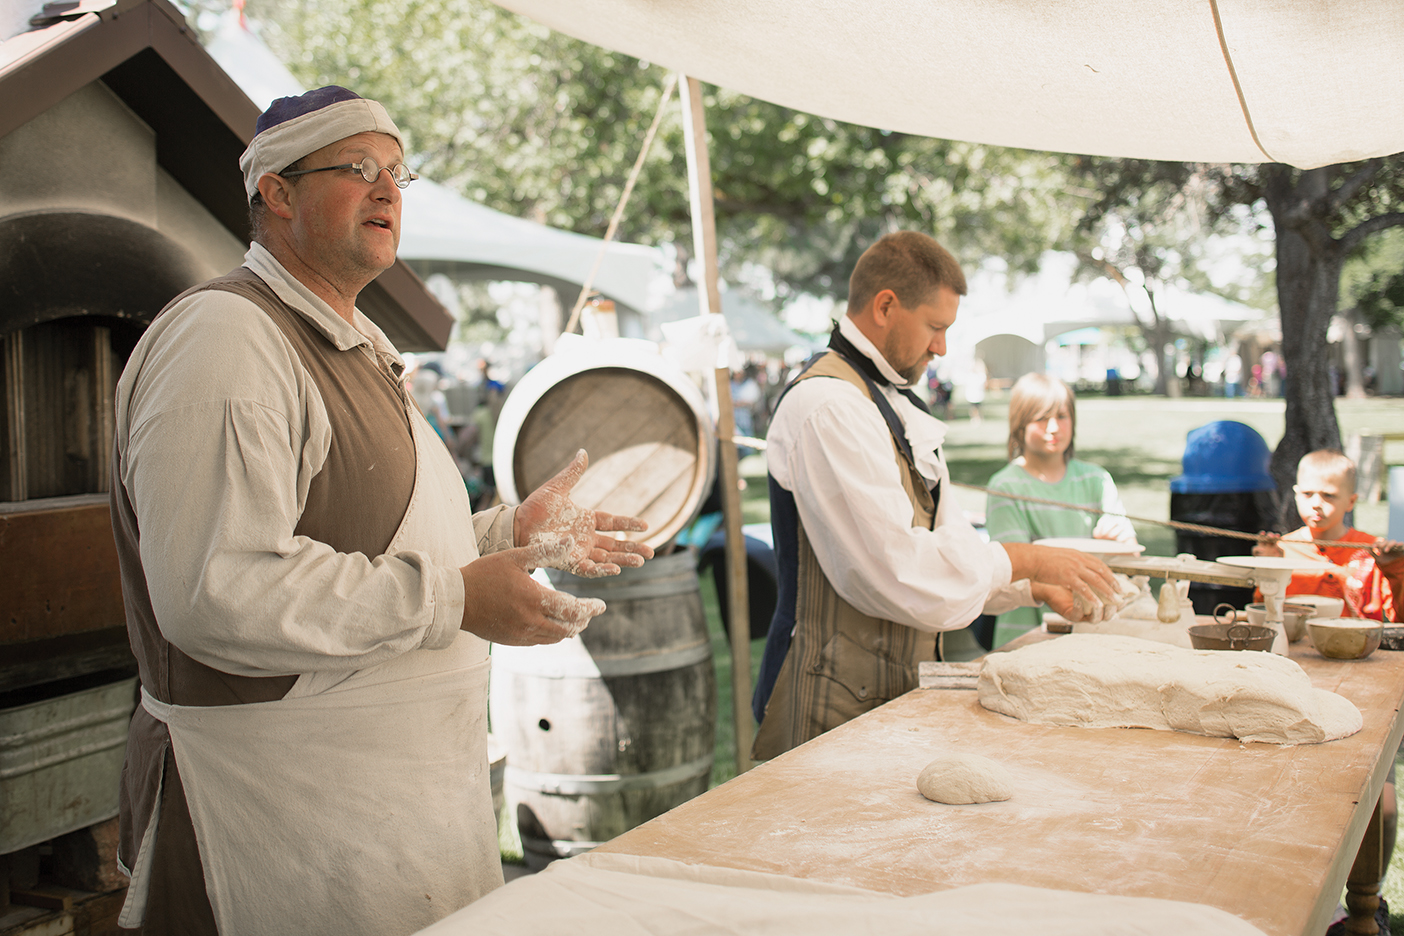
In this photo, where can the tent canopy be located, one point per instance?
(1303, 83)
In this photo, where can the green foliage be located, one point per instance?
(543, 126)
(1165, 222)
(1373, 281)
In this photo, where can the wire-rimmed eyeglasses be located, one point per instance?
(369, 169)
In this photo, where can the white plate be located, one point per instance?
(1097, 547)
(1280, 563)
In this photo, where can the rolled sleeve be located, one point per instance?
(494, 529)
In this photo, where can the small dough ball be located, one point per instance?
(959, 779)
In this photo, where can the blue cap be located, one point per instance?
(1224, 457)
(286, 108)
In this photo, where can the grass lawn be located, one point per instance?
(1140, 440)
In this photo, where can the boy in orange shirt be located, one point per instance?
(1370, 577)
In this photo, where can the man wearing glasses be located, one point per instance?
(309, 596)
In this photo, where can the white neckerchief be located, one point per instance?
(925, 432)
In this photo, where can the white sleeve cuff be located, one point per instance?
(1004, 594)
(448, 608)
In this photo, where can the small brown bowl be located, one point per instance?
(1231, 637)
(1345, 638)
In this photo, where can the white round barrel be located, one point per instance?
(644, 423)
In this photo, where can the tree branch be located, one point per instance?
(1113, 273)
(1352, 238)
(1358, 180)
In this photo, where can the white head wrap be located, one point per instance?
(292, 127)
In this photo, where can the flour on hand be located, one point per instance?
(571, 611)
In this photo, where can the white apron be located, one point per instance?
(361, 802)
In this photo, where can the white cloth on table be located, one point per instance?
(626, 895)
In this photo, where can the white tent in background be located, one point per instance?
(1049, 303)
(446, 233)
(1307, 84)
(752, 326)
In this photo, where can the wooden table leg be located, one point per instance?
(1363, 884)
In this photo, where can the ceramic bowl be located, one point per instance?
(1345, 638)
(1294, 617)
(1324, 607)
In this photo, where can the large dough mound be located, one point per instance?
(1105, 681)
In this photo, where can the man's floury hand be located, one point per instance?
(561, 535)
(506, 606)
(1078, 586)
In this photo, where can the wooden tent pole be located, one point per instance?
(704, 240)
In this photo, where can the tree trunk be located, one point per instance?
(1308, 283)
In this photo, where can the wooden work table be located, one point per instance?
(1267, 833)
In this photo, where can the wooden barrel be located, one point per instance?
(615, 726)
(643, 421)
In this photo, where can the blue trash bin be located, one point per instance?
(1226, 483)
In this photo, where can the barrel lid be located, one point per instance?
(642, 420)
(1224, 457)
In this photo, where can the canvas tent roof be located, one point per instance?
(1308, 84)
(447, 233)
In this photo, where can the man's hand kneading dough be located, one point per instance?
(1075, 585)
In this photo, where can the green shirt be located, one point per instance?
(1009, 521)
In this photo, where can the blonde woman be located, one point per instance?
(1042, 419)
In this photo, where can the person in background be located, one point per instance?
(976, 380)
(482, 423)
(1369, 577)
(1042, 421)
(1271, 386)
(1233, 374)
(877, 564)
(938, 390)
(424, 386)
(745, 394)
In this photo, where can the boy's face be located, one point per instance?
(1323, 499)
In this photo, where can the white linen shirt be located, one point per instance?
(830, 447)
(220, 431)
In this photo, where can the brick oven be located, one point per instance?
(119, 188)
